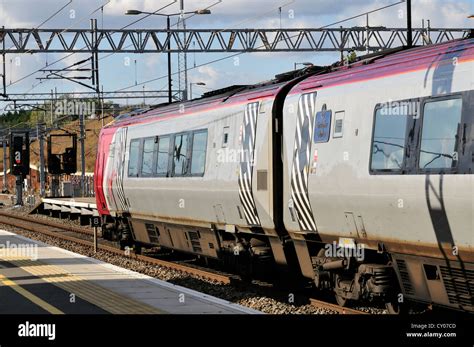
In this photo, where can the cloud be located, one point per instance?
(441, 13)
(153, 60)
(227, 14)
(209, 75)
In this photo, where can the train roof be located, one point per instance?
(212, 99)
(386, 63)
(371, 66)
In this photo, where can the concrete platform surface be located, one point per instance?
(38, 278)
(87, 202)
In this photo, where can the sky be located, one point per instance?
(116, 71)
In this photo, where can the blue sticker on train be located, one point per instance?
(322, 126)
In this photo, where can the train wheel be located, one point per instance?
(393, 307)
(137, 248)
(341, 301)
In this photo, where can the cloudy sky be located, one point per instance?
(116, 74)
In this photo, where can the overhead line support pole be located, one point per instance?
(4, 76)
(409, 28)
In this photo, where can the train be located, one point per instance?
(356, 176)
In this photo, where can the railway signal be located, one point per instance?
(19, 160)
(62, 160)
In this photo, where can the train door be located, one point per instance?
(247, 161)
(300, 207)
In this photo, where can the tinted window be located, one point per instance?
(304, 143)
(133, 158)
(388, 147)
(148, 154)
(180, 159)
(198, 156)
(441, 121)
(225, 137)
(321, 126)
(163, 151)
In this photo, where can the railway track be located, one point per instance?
(334, 307)
(57, 230)
(51, 224)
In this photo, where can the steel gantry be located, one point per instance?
(217, 40)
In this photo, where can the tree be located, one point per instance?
(350, 58)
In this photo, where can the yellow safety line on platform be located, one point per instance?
(30, 296)
(95, 294)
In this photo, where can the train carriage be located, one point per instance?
(358, 178)
(197, 176)
(380, 155)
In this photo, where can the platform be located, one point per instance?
(38, 278)
(72, 208)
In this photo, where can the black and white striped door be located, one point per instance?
(247, 159)
(301, 162)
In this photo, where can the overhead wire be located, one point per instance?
(67, 56)
(70, 54)
(146, 16)
(136, 21)
(40, 25)
(232, 55)
(240, 53)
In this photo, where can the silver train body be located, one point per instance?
(360, 177)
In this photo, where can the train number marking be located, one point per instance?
(96, 221)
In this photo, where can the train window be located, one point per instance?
(180, 155)
(338, 124)
(133, 158)
(147, 156)
(163, 155)
(322, 126)
(305, 139)
(388, 145)
(441, 122)
(225, 137)
(198, 156)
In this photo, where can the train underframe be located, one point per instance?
(246, 253)
(256, 255)
(384, 277)
(352, 276)
(371, 280)
(378, 278)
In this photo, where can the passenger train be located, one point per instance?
(358, 177)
